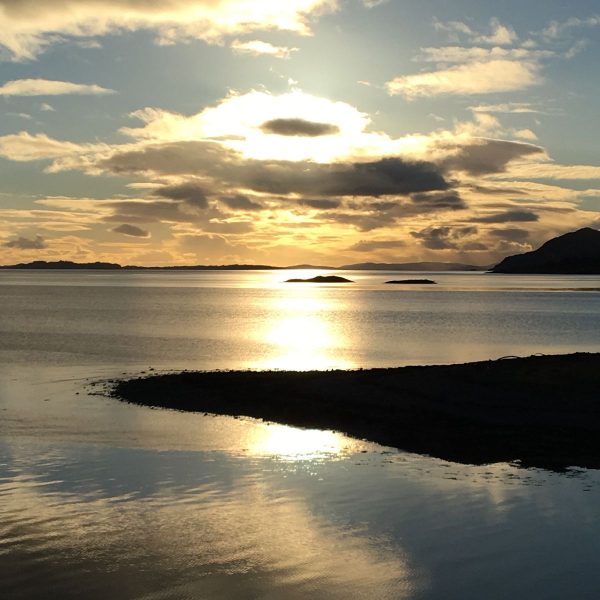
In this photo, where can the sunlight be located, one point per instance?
(292, 444)
(301, 335)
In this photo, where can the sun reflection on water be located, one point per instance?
(301, 333)
(290, 443)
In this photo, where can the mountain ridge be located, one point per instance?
(573, 253)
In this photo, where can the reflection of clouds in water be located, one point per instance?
(249, 539)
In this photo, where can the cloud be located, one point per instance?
(445, 200)
(552, 170)
(461, 54)
(131, 230)
(320, 204)
(23, 243)
(260, 48)
(47, 87)
(240, 202)
(299, 127)
(373, 3)
(508, 107)
(45, 107)
(28, 27)
(443, 238)
(509, 216)
(23, 147)
(387, 176)
(484, 157)
(499, 34)
(477, 77)
(511, 234)
(557, 29)
(371, 245)
(190, 193)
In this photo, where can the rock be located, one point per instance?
(322, 279)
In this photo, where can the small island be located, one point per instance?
(321, 279)
(412, 282)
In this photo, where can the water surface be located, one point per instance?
(100, 499)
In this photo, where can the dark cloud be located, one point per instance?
(231, 227)
(131, 230)
(369, 246)
(299, 127)
(240, 202)
(511, 234)
(23, 243)
(488, 156)
(510, 216)
(362, 222)
(474, 246)
(448, 200)
(175, 158)
(157, 211)
(443, 238)
(321, 204)
(190, 193)
(388, 176)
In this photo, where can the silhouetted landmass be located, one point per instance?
(543, 410)
(412, 281)
(64, 264)
(418, 266)
(321, 279)
(576, 253)
(67, 264)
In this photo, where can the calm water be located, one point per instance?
(100, 499)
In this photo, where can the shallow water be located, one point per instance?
(100, 499)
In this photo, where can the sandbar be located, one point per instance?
(539, 411)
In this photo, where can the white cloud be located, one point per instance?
(23, 147)
(557, 29)
(499, 34)
(470, 78)
(45, 107)
(461, 54)
(551, 170)
(46, 87)
(260, 48)
(28, 27)
(508, 107)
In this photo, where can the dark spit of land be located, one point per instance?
(543, 411)
(412, 282)
(321, 279)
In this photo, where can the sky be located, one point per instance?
(166, 132)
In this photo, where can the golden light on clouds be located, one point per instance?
(28, 27)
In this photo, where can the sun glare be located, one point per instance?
(292, 444)
(299, 333)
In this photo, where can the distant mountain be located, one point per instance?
(69, 265)
(575, 253)
(63, 264)
(418, 266)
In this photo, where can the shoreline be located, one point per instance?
(540, 411)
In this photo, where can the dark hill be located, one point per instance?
(576, 253)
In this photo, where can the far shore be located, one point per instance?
(540, 411)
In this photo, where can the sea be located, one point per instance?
(103, 500)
